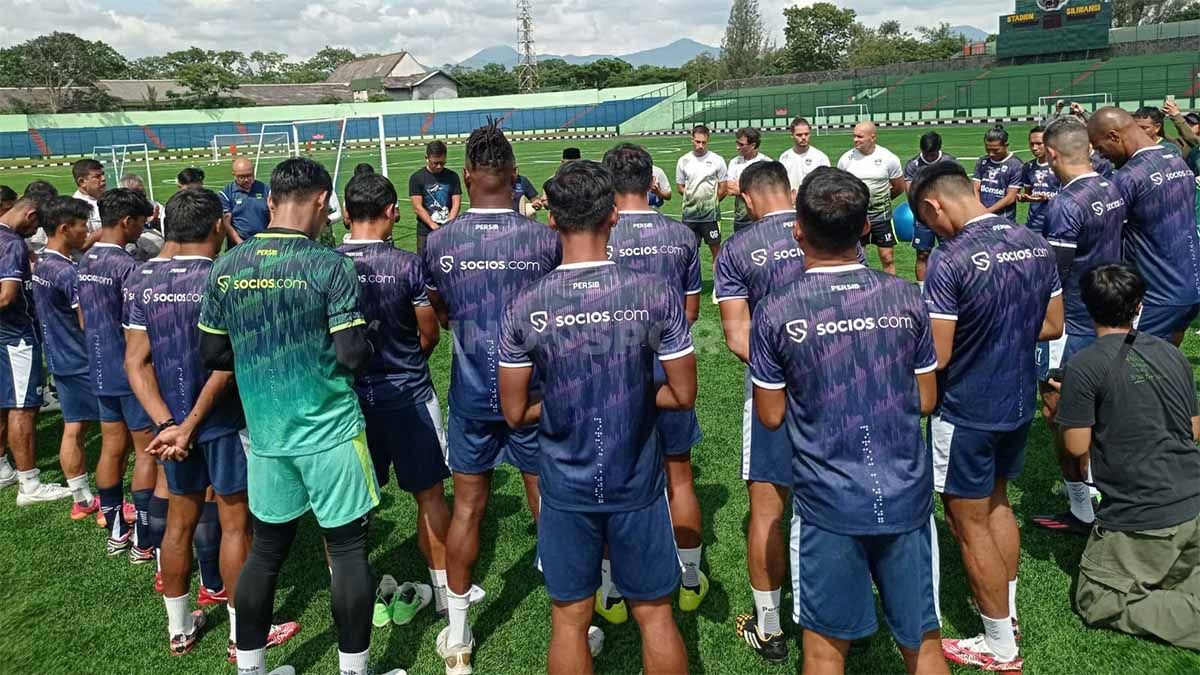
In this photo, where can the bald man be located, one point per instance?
(1160, 236)
(883, 173)
(244, 202)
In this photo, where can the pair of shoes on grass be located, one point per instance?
(399, 603)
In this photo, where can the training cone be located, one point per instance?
(902, 219)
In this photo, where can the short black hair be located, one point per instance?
(765, 176)
(7, 194)
(631, 167)
(61, 210)
(1069, 137)
(363, 168)
(701, 129)
(831, 206)
(435, 149)
(939, 176)
(1149, 113)
(368, 196)
(570, 154)
(931, 142)
(1039, 129)
(192, 213)
(41, 188)
(581, 196)
(121, 203)
(190, 176)
(488, 148)
(996, 134)
(752, 136)
(83, 167)
(298, 178)
(799, 122)
(1192, 118)
(1112, 294)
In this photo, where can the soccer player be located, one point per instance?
(395, 390)
(802, 158)
(477, 264)
(21, 370)
(650, 242)
(1150, 120)
(435, 192)
(245, 203)
(524, 196)
(105, 274)
(660, 189)
(90, 184)
(700, 177)
(923, 238)
(592, 330)
(1083, 226)
(295, 373)
(56, 295)
(880, 169)
(997, 176)
(1038, 182)
(8, 197)
(863, 505)
(993, 292)
(190, 177)
(748, 140)
(1159, 238)
(570, 155)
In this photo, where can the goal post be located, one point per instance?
(272, 144)
(344, 138)
(828, 118)
(119, 159)
(1090, 102)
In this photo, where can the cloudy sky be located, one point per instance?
(435, 31)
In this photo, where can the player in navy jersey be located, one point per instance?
(1160, 236)
(56, 295)
(395, 389)
(477, 263)
(923, 238)
(1038, 182)
(647, 241)
(993, 292)
(843, 358)
(104, 274)
(997, 175)
(1100, 165)
(593, 331)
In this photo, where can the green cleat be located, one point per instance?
(410, 599)
(384, 597)
(613, 610)
(691, 597)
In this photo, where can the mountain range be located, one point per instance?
(971, 33)
(673, 55)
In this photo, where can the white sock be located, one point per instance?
(438, 579)
(1012, 599)
(5, 467)
(179, 619)
(457, 606)
(253, 662)
(607, 589)
(998, 634)
(353, 664)
(80, 490)
(1081, 501)
(1091, 483)
(29, 480)
(766, 604)
(232, 623)
(690, 558)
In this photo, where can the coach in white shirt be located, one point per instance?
(802, 158)
(883, 173)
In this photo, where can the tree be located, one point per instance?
(323, 63)
(1149, 12)
(491, 80)
(701, 69)
(745, 41)
(209, 85)
(598, 73)
(888, 44)
(63, 66)
(817, 37)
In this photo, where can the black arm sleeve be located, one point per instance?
(216, 351)
(1066, 258)
(353, 347)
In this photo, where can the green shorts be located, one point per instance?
(339, 485)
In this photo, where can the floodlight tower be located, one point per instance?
(527, 65)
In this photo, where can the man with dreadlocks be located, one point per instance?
(477, 264)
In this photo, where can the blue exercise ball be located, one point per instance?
(902, 219)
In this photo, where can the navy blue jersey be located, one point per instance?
(56, 292)
(1086, 217)
(996, 178)
(477, 263)
(1039, 180)
(648, 241)
(17, 321)
(137, 281)
(759, 259)
(1160, 236)
(912, 166)
(1100, 165)
(393, 286)
(104, 275)
(166, 306)
(847, 343)
(595, 331)
(994, 280)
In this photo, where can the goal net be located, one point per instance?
(832, 119)
(1089, 102)
(340, 144)
(273, 144)
(121, 160)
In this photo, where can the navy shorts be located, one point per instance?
(882, 234)
(924, 238)
(1164, 321)
(77, 398)
(219, 463)
(966, 462)
(766, 454)
(478, 446)
(411, 440)
(678, 432)
(832, 575)
(641, 547)
(706, 233)
(21, 376)
(1055, 353)
(124, 409)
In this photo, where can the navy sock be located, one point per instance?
(111, 501)
(157, 512)
(141, 527)
(208, 547)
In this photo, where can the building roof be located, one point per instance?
(410, 81)
(366, 69)
(136, 91)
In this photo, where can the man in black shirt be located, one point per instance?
(1129, 399)
(435, 191)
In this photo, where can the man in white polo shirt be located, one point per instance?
(883, 173)
(802, 158)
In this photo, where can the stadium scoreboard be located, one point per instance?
(1054, 26)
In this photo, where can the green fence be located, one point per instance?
(1162, 31)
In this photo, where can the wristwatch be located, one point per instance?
(162, 426)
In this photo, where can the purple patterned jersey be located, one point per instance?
(1086, 217)
(996, 178)
(1160, 236)
(393, 286)
(17, 321)
(477, 263)
(847, 344)
(1041, 181)
(595, 331)
(104, 280)
(56, 292)
(994, 279)
(166, 306)
(648, 241)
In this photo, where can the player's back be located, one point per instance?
(650, 242)
(847, 342)
(104, 274)
(759, 259)
(995, 280)
(392, 282)
(1087, 216)
(1160, 237)
(56, 296)
(17, 318)
(477, 263)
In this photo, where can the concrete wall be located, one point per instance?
(436, 87)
